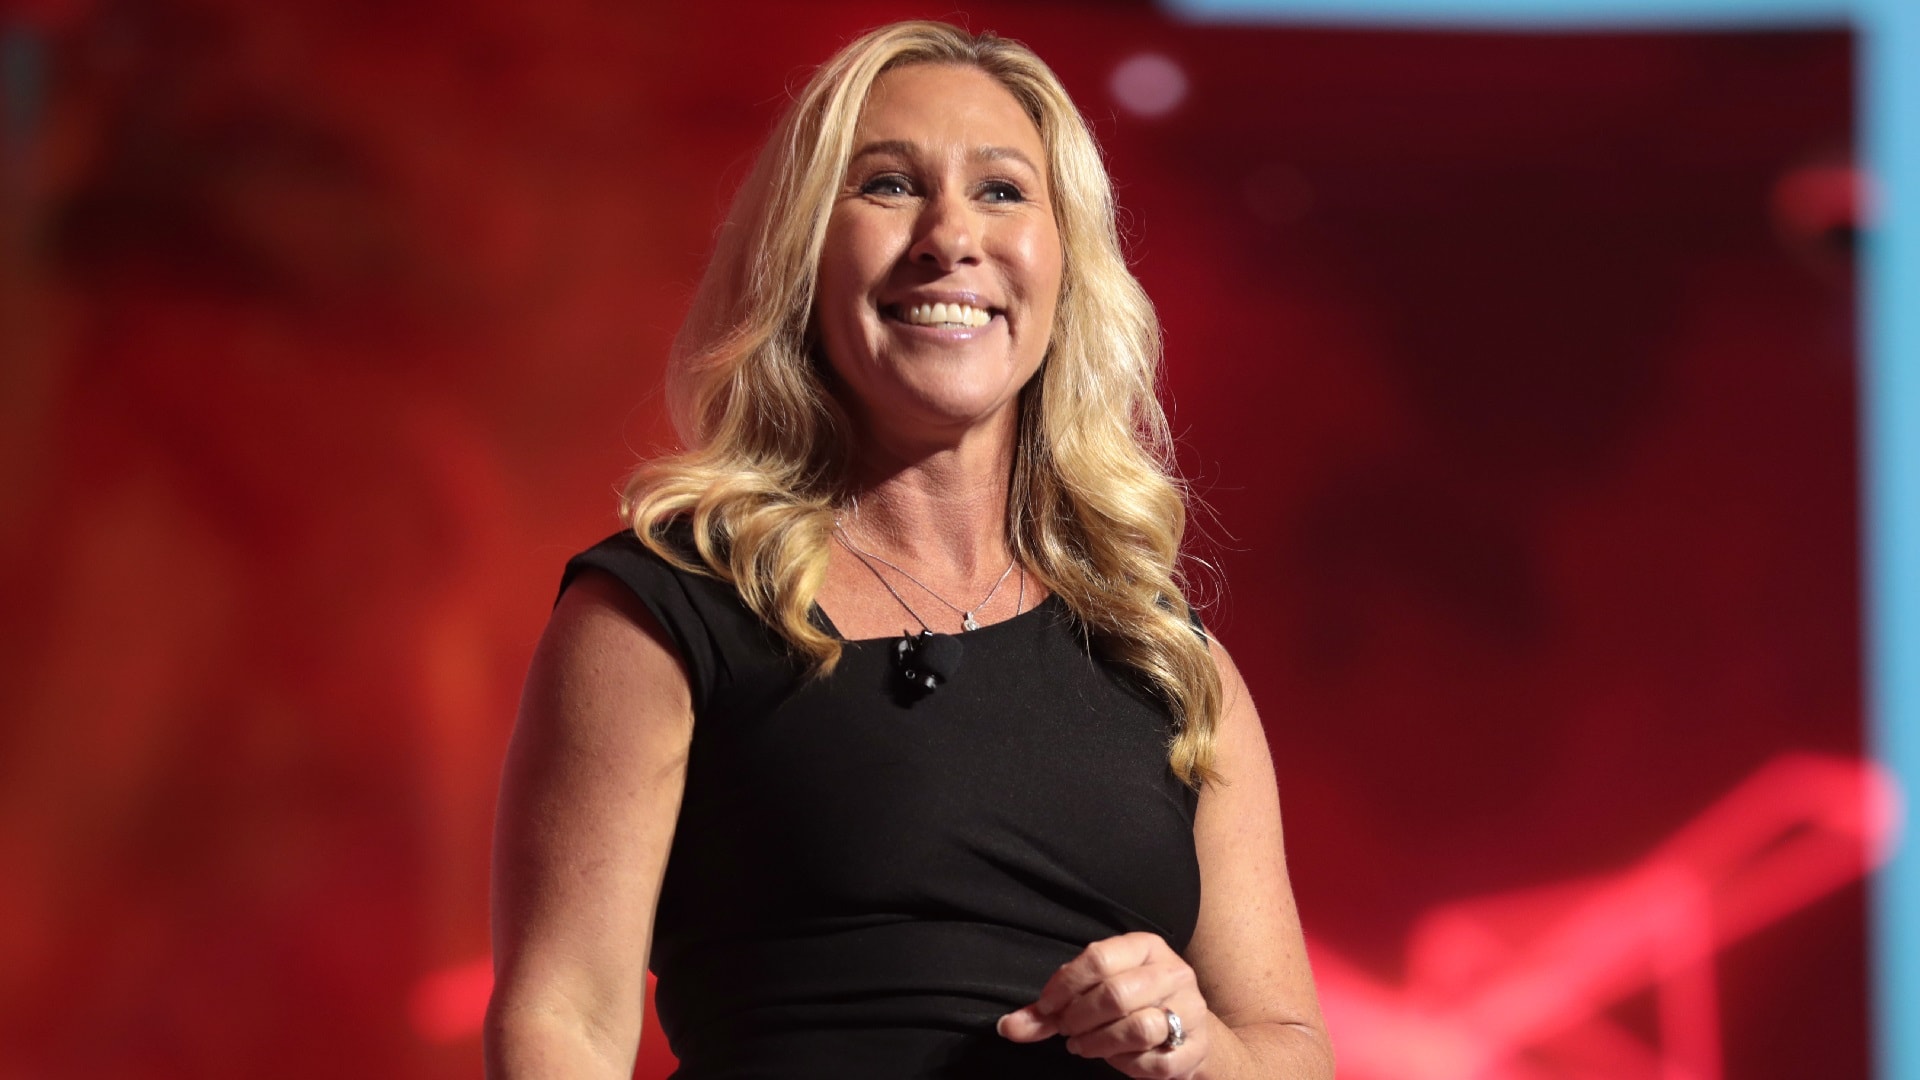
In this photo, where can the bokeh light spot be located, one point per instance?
(1149, 85)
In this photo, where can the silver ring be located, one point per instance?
(1176, 1031)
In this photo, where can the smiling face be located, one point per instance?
(941, 265)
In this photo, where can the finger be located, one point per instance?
(1161, 1060)
(1135, 1033)
(1096, 962)
(1123, 994)
(1026, 1025)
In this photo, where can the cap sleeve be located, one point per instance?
(727, 650)
(665, 592)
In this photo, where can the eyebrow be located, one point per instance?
(905, 149)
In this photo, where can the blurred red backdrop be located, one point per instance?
(1515, 372)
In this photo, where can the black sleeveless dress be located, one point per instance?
(862, 880)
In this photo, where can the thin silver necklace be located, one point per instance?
(967, 621)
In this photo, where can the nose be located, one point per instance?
(945, 234)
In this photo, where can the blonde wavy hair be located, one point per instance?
(1094, 510)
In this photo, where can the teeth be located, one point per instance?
(948, 315)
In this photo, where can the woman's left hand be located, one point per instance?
(1113, 1001)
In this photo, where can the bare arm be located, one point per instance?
(588, 799)
(1248, 951)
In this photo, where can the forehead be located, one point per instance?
(947, 106)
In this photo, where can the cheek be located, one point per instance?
(863, 240)
(837, 294)
(1038, 241)
(1042, 264)
(1054, 261)
(833, 260)
(854, 259)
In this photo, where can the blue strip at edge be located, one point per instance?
(1890, 443)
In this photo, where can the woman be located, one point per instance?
(885, 734)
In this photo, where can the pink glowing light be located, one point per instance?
(449, 1004)
(1515, 986)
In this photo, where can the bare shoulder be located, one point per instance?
(1242, 758)
(599, 629)
(606, 679)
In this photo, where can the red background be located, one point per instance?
(1523, 409)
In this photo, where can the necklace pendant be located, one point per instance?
(966, 621)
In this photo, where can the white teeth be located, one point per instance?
(948, 315)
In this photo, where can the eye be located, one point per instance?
(1002, 191)
(887, 184)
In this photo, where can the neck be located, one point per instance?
(944, 511)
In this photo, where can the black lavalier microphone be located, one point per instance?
(928, 660)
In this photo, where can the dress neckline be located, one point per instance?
(825, 622)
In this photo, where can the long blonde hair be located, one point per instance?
(1094, 509)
